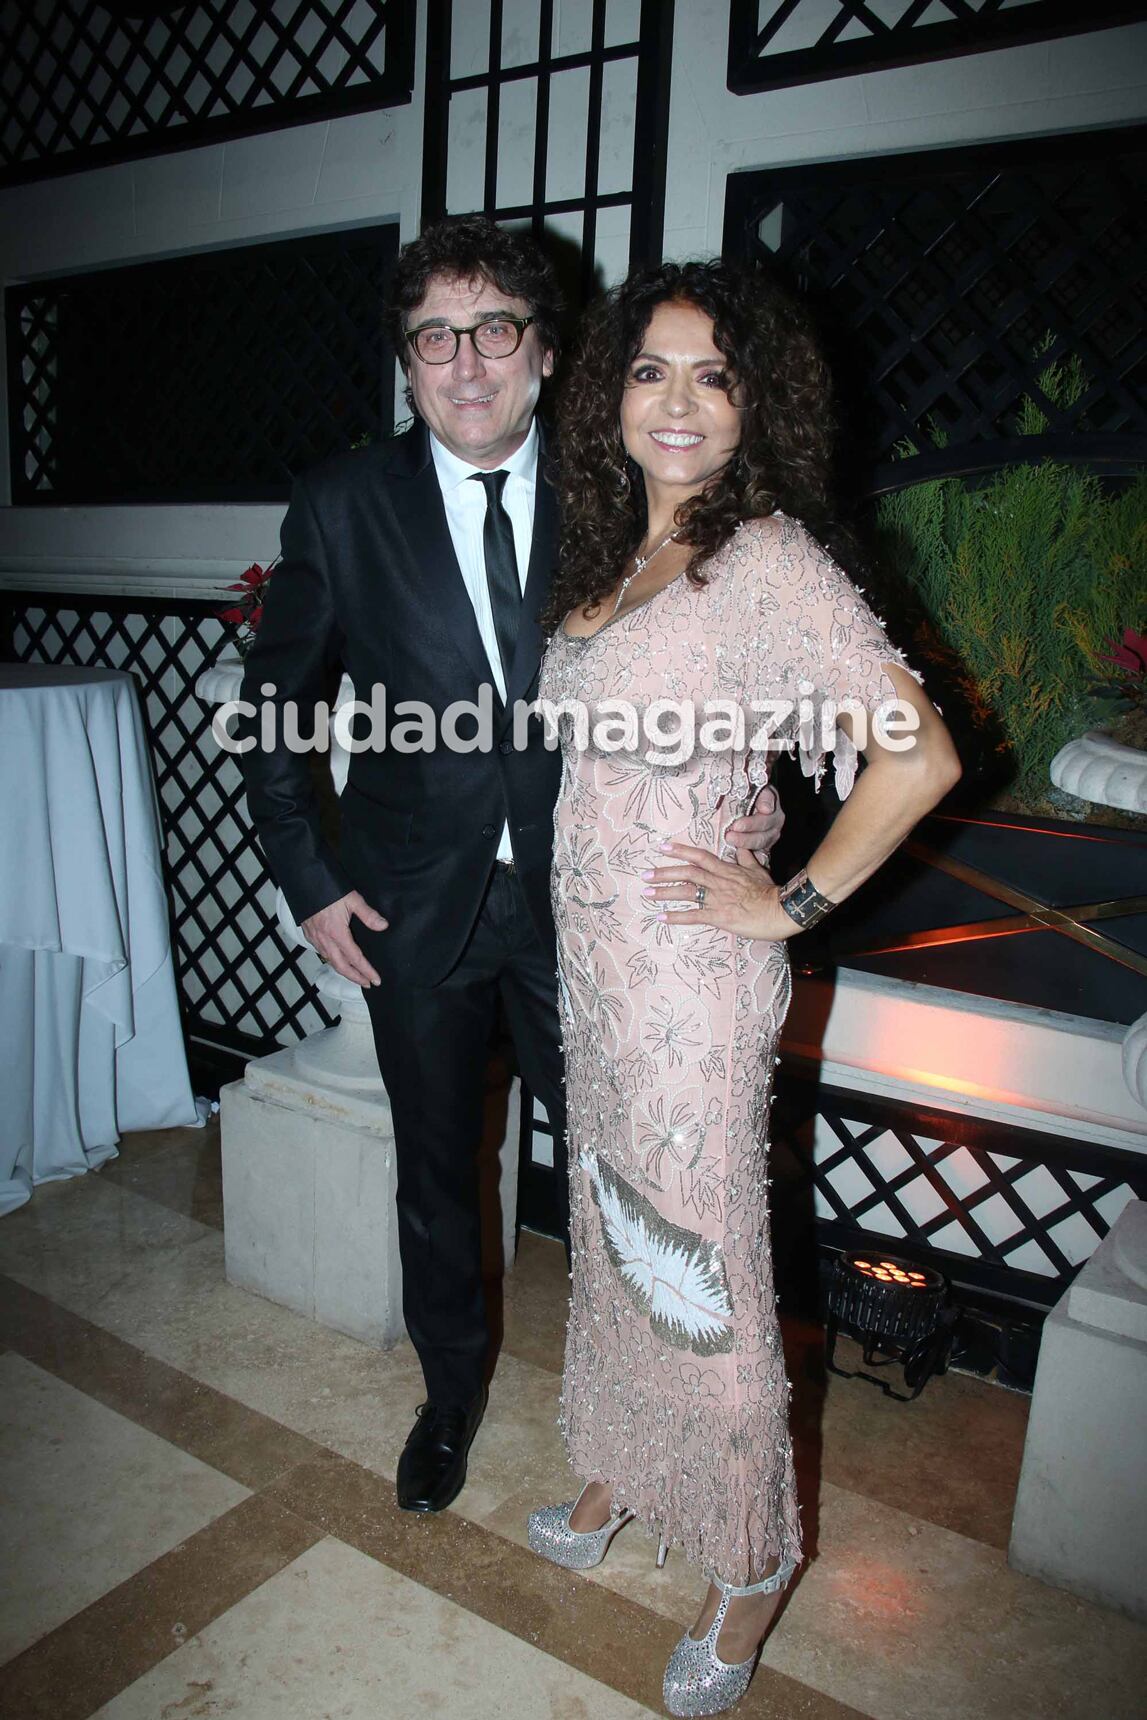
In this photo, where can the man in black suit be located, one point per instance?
(422, 566)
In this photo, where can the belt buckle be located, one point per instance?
(509, 867)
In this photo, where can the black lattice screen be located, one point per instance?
(947, 281)
(210, 378)
(86, 83)
(1006, 1210)
(240, 987)
(566, 129)
(777, 42)
(516, 117)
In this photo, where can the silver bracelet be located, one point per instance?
(803, 902)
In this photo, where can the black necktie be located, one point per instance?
(501, 567)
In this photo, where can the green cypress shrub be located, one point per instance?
(1021, 584)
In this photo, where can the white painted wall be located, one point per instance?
(1071, 84)
(347, 172)
(367, 168)
(361, 169)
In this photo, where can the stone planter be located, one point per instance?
(1135, 1060)
(1102, 770)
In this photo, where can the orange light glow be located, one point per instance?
(1028, 829)
(890, 1272)
(956, 1083)
(934, 941)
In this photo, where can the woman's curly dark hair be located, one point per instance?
(779, 379)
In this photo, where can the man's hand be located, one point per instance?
(698, 889)
(760, 830)
(329, 933)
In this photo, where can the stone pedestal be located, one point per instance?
(308, 1193)
(1081, 1510)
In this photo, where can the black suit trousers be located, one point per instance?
(433, 1046)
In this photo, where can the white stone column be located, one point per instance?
(1080, 1518)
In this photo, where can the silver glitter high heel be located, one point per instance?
(576, 1549)
(696, 1681)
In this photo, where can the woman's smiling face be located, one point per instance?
(677, 420)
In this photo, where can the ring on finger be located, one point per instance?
(701, 893)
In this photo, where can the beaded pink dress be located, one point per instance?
(675, 1391)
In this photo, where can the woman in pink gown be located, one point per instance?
(693, 447)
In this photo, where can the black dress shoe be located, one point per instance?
(432, 1468)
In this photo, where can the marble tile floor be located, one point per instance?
(197, 1513)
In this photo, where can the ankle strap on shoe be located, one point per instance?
(769, 1586)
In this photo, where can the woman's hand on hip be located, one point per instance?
(736, 895)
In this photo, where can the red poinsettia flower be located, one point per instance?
(1130, 653)
(248, 612)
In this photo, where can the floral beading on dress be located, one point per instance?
(675, 1392)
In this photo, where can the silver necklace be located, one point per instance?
(640, 563)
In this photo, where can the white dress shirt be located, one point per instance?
(465, 505)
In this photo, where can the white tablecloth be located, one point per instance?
(90, 1038)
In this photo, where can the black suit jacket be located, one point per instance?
(369, 579)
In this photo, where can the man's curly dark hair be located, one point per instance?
(470, 248)
(779, 379)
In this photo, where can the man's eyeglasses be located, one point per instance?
(495, 337)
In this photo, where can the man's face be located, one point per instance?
(479, 408)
